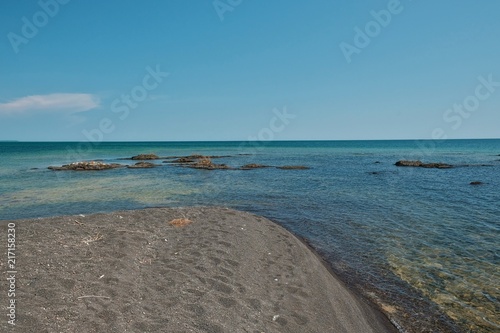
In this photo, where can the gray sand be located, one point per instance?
(227, 271)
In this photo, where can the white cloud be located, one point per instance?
(51, 102)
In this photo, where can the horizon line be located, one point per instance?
(264, 141)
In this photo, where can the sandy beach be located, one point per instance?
(211, 270)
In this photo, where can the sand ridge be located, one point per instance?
(134, 271)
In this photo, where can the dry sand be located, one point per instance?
(221, 271)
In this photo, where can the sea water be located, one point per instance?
(420, 243)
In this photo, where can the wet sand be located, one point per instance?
(215, 270)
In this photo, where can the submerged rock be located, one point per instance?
(294, 167)
(86, 166)
(437, 165)
(142, 165)
(145, 157)
(404, 163)
(408, 163)
(254, 166)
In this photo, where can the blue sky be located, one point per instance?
(337, 70)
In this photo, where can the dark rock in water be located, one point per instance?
(404, 163)
(437, 165)
(86, 166)
(142, 165)
(408, 163)
(219, 156)
(189, 159)
(197, 157)
(207, 164)
(254, 166)
(182, 160)
(376, 162)
(145, 157)
(177, 157)
(476, 183)
(294, 167)
(474, 165)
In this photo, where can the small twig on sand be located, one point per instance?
(90, 239)
(123, 230)
(93, 296)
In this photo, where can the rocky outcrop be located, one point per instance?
(144, 157)
(142, 165)
(420, 164)
(86, 166)
(294, 167)
(182, 160)
(207, 164)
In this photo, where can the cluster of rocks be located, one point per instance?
(205, 162)
(176, 159)
(98, 166)
(420, 164)
(191, 161)
(86, 166)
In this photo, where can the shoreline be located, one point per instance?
(225, 271)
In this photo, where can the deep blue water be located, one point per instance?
(418, 242)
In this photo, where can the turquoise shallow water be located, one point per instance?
(421, 243)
